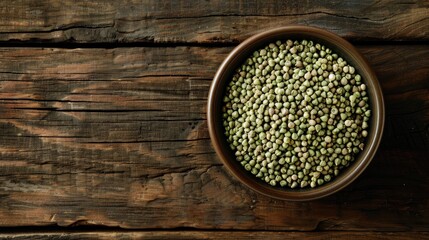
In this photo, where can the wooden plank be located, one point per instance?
(118, 137)
(111, 21)
(179, 235)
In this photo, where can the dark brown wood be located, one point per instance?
(206, 21)
(118, 137)
(182, 235)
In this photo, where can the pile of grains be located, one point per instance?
(295, 114)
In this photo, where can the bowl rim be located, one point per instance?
(373, 139)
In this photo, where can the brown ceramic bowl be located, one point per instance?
(343, 49)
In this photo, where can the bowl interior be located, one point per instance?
(343, 49)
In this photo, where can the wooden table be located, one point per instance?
(103, 130)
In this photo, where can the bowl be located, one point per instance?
(343, 49)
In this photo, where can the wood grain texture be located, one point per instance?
(204, 21)
(221, 235)
(118, 137)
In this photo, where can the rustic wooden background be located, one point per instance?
(103, 130)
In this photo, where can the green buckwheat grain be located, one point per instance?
(295, 114)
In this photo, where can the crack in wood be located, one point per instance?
(259, 15)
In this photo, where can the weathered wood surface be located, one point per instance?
(118, 137)
(221, 235)
(206, 21)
